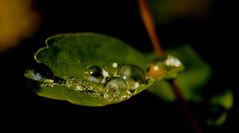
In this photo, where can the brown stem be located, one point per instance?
(184, 107)
(150, 26)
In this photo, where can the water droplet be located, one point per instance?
(166, 67)
(114, 65)
(173, 61)
(95, 74)
(113, 69)
(39, 72)
(157, 71)
(133, 75)
(114, 88)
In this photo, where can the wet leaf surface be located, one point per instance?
(96, 69)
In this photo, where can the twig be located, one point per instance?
(150, 27)
(185, 108)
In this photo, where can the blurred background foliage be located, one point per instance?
(167, 10)
(208, 26)
(18, 21)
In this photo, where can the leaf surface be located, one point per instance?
(71, 56)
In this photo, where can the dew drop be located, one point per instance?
(113, 69)
(39, 72)
(133, 75)
(114, 65)
(157, 71)
(114, 88)
(166, 67)
(173, 61)
(95, 74)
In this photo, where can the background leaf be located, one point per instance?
(198, 84)
(190, 81)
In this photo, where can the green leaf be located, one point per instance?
(95, 70)
(221, 101)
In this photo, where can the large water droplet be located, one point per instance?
(133, 75)
(95, 74)
(166, 67)
(39, 72)
(114, 88)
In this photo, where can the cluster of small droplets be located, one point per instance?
(119, 84)
(133, 75)
(72, 83)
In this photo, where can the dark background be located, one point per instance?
(214, 38)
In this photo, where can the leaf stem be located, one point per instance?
(184, 107)
(150, 27)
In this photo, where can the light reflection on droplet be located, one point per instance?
(105, 75)
(114, 65)
(172, 61)
(39, 72)
(156, 68)
(136, 85)
(49, 81)
(78, 87)
(36, 76)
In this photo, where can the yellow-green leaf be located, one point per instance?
(89, 69)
